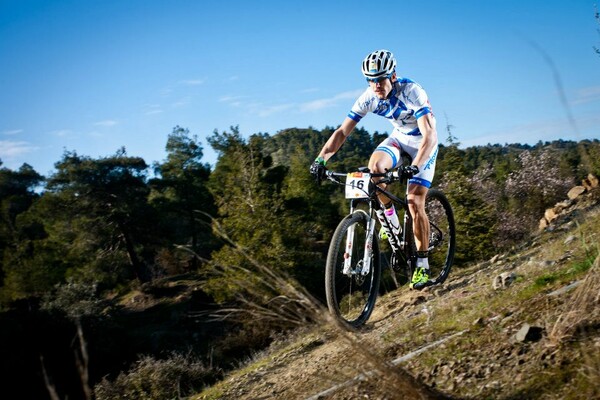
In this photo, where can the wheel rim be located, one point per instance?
(352, 295)
(441, 238)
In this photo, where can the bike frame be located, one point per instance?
(399, 244)
(351, 286)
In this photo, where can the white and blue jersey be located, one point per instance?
(406, 103)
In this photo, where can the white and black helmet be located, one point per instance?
(380, 63)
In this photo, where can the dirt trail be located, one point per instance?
(462, 340)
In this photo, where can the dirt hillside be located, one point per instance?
(523, 325)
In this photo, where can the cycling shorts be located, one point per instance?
(398, 145)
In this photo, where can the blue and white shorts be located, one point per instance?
(396, 144)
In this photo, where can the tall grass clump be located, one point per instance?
(582, 310)
(177, 376)
(278, 301)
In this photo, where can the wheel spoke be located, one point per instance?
(351, 295)
(442, 239)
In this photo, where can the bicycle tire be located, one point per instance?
(442, 235)
(351, 297)
(410, 247)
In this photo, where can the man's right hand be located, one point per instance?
(317, 169)
(408, 171)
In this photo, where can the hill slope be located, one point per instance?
(525, 324)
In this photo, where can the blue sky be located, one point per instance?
(92, 76)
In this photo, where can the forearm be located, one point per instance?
(337, 139)
(427, 127)
(427, 145)
(333, 144)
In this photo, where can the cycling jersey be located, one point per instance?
(406, 103)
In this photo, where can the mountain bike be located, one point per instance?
(353, 269)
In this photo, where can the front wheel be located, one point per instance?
(350, 285)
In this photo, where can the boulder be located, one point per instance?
(575, 192)
(504, 280)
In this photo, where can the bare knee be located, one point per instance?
(378, 166)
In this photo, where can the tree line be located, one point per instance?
(115, 219)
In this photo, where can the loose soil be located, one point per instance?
(483, 348)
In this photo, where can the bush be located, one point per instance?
(152, 379)
(75, 299)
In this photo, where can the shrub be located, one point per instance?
(175, 377)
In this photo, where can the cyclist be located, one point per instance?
(406, 105)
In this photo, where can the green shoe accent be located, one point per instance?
(420, 278)
(383, 234)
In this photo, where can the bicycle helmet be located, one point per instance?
(380, 63)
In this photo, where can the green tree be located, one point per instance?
(105, 201)
(181, 196)
(17, 194)
(475, 219)
(246, 187)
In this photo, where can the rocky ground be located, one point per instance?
(523, 325)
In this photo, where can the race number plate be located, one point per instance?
(357, 185)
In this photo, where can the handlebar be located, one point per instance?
(387, 177)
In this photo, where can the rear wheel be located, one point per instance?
(442, 235)
(351, 289)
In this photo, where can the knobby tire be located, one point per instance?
(442, 235)
(351, 297)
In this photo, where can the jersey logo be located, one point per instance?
(431, 160)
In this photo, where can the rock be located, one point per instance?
(543, 224)
(418, 300)
(575, 192)
(550, 215)
(558, 207)
(547, 263)
(529, 333)
(565, 289)
(570, 239)
(593, 180)
(446, 371)
(503, 280)
(568, 255)
(590, 182)
(494, 385)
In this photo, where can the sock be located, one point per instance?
(423, 259)
(390, 210)
(392, 217)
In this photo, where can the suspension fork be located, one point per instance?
(369, 237)
(368, 254)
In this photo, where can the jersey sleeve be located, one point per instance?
(362, 106)
(418, 101)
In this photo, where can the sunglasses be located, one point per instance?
(379, 79)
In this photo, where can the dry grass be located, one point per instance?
(483, 362)
(581, 311)
(295, 306)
